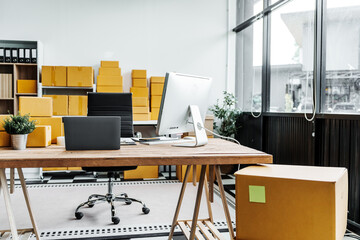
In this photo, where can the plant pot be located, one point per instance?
(18, 141)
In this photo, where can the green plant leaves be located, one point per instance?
(18, 124)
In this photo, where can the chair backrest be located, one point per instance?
(113, 104)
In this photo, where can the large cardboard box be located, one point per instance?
(181, 170)
(140, 92)
(291, 202)
(138, 73)
(26, 86)
(57, 126)
(109, 80)
(140, 101)
(60, 104)
(141, 110)
(139, 82)
(141, 116)
(157, 79)
(80, 76)
(2, 118)
(156, 101)
(156, 89)
(36, 106)
(110, 64)
(54, 76)
(142, 172)
(40, 137)
(155, 113)
(107, 71)
(109, 88)
(77, 105)
(4, 139)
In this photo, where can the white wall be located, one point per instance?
(188, 36)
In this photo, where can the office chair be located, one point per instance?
(111, 104)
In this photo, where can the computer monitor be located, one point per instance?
(183, 106)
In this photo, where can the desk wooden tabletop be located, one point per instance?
(216, 152)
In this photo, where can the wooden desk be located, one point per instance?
(217, 152)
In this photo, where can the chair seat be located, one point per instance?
(109, 169)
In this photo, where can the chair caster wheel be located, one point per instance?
(145, 210)
(79, 215)
(115, 220)
(125, 195)
(91, 205)
(128, 202)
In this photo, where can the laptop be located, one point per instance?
(92, 133)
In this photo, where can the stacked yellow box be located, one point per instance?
(109, 78)
(54, 76)
(156, 87)
(4, 137)
(140, 95)
(77, 105)
(26, 86)
(40, 137)
(80, 76)
(60, 104)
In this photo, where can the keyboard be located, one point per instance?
(127, 141)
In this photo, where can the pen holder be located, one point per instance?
(18, 141)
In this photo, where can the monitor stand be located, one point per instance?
(200, 133)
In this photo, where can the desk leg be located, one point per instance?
(12, 180)
(176, 215)
(211, 183)
(223, 198)
(9, 211)
(208, 200)
(197, 203)
(27, 200)
(194, 175)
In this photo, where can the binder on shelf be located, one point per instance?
(14, 55)
(21, 55)
(7, 55)
(2, 55)
(33, 55)
(27, 55)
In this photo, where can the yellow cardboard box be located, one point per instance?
(57, 127)
(142, 172)
(291, 202)
(138, 73)
(181, 169)
(140, 102)
(2, 118)
(156, 89)
(141, 116)
(80, 76)
(141, 110)
(157, 79)
(77, 105)
(4, 139)
(155, 101)
(26, 86)
(111, 89)
(54, 76)
(108, 71)
(60, 104)
(40, 137)
(155, 113)
(139, 82)
(36, 106)
(140, 92)
(103, 80)
(110, 64)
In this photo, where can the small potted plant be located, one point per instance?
(19, 127)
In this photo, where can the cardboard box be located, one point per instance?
(291, 202)
(60, 104)
(209, 124)
(57, 126)
(140, 92)
(4, 139)
(111, 89)
(157, 80)
(155, 101)
(2, 118)
(139, 82)
(141, 110)
(108, 71)
(55, 169)
(80, 76)
(140, 102)
(141, 116)
(109, 80)
(156, 89)
(181, 169)
(142, 172)
(26, 86)
(40, 137)
(155, 113)
(54, 76)
(110, 64)
(78, 105)
(138, 74)
(36, 106)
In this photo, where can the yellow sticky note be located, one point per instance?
(257, 194)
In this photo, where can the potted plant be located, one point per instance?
(19, 127)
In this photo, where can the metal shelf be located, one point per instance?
(26, 94)
(67, 88)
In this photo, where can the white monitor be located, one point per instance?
(183, 106)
